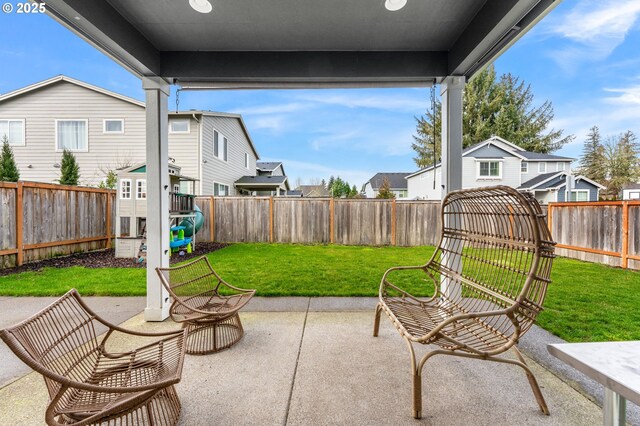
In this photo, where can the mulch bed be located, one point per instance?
(105, 259)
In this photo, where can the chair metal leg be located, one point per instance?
(417, 396)
(376, 321)
(532, 382)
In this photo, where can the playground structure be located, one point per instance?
(186, 219)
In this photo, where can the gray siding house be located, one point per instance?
(106, 131)
(397, 182)
(497, 161)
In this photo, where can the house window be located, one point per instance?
(220, 189)
(560, 166)
(580, 195)
(634, 195)
(542, 167)
(13, 130)
(176, 188)
(179, 126)
(246, 160)
(141, 189)
(125, 189)
(72, 135)
(141, 225)
(219, 146)
(125, 226)
(113, 126)
(489, 170)
(524, 167)
(402, 193)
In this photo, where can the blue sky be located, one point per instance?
(584, 57)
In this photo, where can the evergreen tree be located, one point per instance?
(110, 181)
(8, 168)
(324, 183)
(354, 192)
(330, 184)
(69, 169)
(622, 163)
(385, 190)
(501, 106)
(592, 161)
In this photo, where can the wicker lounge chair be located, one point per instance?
(206, 305)
(87, 384)
(490, 274)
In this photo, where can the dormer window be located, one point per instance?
(489, 169)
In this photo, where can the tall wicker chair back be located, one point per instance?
(490, 274)
(89, 385)
(206, 305)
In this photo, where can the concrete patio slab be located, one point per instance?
(326, 368)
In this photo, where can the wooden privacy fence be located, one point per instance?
(40, 220)
(319, 221)
(605, 232)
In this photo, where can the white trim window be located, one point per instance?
(72, 135)
(220, 146)
(141, 189)
(634, 195)
(182, 125)
(561, 166)
(580, 195)
(220, 189)
(246, 160)
(491, 169)
(542, 167)
(113, 126)
(125, 189)
(13, 129)
(524, 167)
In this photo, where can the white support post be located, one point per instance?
(157, 93)
(615, 409)
(451, 92)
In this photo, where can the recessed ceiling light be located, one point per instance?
(394, 5)
(202, 6)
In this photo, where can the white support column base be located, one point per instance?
(157, 93)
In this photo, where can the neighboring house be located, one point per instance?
(397, 182)
(499, 162)
(313, 191)
(106, 131)
(631, 191)
(270, 179)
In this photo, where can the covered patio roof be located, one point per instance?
(245, 44)
(301, 43)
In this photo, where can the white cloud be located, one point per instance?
(276, 108)
(386, 102)
(594, 28)
(625, 96)
(365, 139)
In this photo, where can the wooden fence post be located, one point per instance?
(331, 220)
(108, 219)
(271, 219)
(19, 223)
(550, 219)
(625, 235)
(393, 222)
(212, 218)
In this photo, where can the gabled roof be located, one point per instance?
(60, 78)
(554, 180)
(631, 186)
(313, 190)
(546, 157)
(268, 166)
(396, 180)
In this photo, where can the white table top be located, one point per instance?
(616, 365)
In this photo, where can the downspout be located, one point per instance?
(200, 166)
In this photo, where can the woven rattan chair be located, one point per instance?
(206, 305)
(87, 383)
(490, 274)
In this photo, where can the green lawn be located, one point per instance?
(586, 301)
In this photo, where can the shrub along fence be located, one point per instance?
(40, 220)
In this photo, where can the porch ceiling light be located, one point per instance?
(394, 5)
(202, 6)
